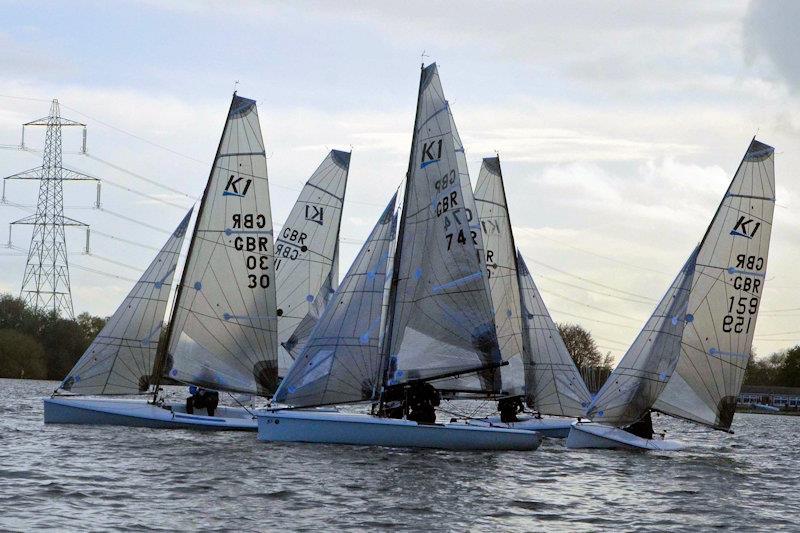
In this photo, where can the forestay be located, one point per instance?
(342, 361)
(305, 251)
(725, 297)
(641, 375)
(223, 333)
(553, 384)
(120, 359)
(441, 318)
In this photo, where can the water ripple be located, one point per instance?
(132, 479)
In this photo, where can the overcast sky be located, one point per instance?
(619, 125)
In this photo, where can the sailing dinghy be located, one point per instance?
(540, 368)
(404, 317)
(689, 360)
(223, 331)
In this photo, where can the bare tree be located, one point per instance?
(581, 346)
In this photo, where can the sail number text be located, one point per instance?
(258, 247)
(449, 206)
(742, 309)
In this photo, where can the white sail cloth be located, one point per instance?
(120, 359)
(501, 268)
(725, 298)
(553, 385)
(726, 277)
(441, 320)
(305, 252)
(223, 333)
(643, 372)
(342, 361)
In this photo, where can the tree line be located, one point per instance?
(781, 369)
(37, 344)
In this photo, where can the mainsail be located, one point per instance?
(223, 332)
(726, 294)
(441, 320)
(305, 252)
(690, 359)
(120, 359)
(342, 361)
(501, 268)
(553, 384)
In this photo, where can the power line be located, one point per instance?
(135, 221)
(138, 176)
(560, 312)
(594, 308)
(591, 282)
(595, 254)
(554, 280)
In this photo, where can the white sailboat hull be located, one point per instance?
(592, 435)
(140, 413)
(553, 428)
(366, 430)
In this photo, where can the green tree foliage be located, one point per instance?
(790, 368)
(39, 344)
(90, 324)
(778, 369)
(21, 356)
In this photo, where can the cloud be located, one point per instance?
(770, 36)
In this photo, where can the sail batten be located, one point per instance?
(223, 330)
(121, 358)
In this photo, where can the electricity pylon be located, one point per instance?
(45, 284)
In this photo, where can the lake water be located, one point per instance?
(104, 478)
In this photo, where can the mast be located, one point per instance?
(387, 338)
(161, 357)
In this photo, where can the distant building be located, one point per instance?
(784, 398)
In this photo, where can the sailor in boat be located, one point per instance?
(416, 402)
(509, 409)
(423, 399)
(642, 427)
(394, 402)
(200, 398)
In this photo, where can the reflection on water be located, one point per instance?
(81, 477)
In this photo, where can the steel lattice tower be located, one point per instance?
(46, 284)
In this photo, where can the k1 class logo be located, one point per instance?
(745, 228)
(236, 186)
(490, 227)
(431, 153)
(314, 214)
